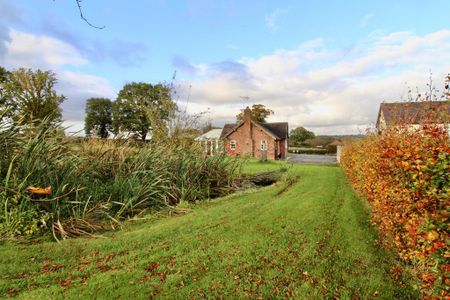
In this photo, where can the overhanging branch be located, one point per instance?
(83, 17)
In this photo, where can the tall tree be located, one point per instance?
(98, 119)
(300, 134)
(259, 113)
(3, 79)
(4, 103)
(142, 108)
(31, 96)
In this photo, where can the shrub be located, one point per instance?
(307, 150)
(405, 177)
(331, 149)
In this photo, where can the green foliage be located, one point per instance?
(4, 75)
(298, 135)
(98, 117)
(258, 113)
(31, 98)
(307, 150)
(143, 108)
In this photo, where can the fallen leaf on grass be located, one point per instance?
(12, 292)
(39, 190)
(65, 283)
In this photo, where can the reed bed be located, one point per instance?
(96, 184)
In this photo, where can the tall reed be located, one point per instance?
(96, 183)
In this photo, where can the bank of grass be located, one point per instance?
(311, 240)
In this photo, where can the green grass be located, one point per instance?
(313, 240)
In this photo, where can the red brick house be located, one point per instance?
(256, 139)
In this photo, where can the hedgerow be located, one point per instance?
(404, 175)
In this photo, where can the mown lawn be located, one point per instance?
(309, 238)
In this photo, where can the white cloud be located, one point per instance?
(78, 88)
(274, 19)
(39, 51)
(89, 84)
(31, 51)
(329, 91)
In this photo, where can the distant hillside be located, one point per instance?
(324, 140)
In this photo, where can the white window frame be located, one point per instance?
(263, 145)
(233, 145)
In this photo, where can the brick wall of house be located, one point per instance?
(258, 136)
(248, 139)
(283, 150)
(241, 137)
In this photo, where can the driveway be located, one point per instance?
(311, 158)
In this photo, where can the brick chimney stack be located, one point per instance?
(247, 114)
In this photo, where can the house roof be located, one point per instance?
(213, 134)
(336, 143)
(278, 130)
(228, 128)
(414, 112)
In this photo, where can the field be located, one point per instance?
(307, 236)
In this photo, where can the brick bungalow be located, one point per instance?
(256, 139)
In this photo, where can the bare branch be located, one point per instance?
(82, 16)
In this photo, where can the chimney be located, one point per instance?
(247, 114)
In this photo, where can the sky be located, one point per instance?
(323, 65)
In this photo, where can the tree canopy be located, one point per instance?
(259, 113)
(300, 134)
(142, 108)
(98, 119)
(30, 96)
(4, 74)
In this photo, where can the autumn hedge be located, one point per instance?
(405, 174)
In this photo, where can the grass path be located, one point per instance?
(311, 241)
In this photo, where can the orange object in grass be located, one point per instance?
(40, 191)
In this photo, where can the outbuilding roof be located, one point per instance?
(414, 112)
(213, 134)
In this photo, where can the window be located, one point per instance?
(263, 145)
(233, 145)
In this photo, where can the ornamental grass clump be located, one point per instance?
(404, 173)
(71, 186)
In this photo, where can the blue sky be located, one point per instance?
(325, 65)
